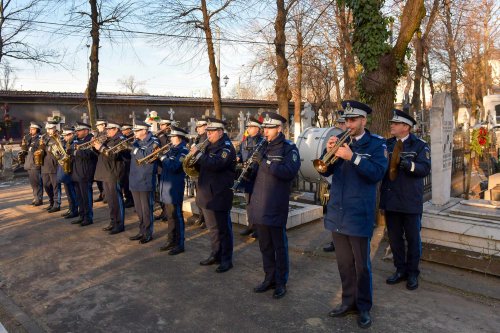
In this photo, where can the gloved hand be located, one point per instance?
(257, 157)
(405, 164)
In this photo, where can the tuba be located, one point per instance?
(39, 154)
(321, 165)
(189, 163)
(62, 157)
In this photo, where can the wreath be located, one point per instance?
(56, 119)
(157, 119)
(480, 140)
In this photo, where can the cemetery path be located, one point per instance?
(72, 279)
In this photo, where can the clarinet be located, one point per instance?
(262, 143)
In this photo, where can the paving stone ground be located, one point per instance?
(66, 278)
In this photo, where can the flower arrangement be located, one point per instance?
(480, 140)
(56, 119)
(151, 119)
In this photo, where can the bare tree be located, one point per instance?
(17, 21)
(131, 85)
(7, 78)
(195, 21)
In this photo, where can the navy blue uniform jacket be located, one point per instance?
(405, 193)
(173, 175)
(32, 143)
(217, 172)
(84, 161)
(247, 147)
(351, 208)
(110, 166)
(269, 201)
(142, 178)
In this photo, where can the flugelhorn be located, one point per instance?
(189, 163)
(321, 165)
(89, 144)
(154, 155)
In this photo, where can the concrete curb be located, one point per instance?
(19, 315)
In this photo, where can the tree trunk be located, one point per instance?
(336, 82)
(91, 92)
(347, 54)
(282, 89)
(212, 67)
(419, 69)
(450, 41)
(298, 84)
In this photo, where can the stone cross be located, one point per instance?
(223, 118)
(171, 113)
(192, 126)
(147, 113)
(241, 126)
(207, 113)
(213, 113)
(132, 116)
(441, 118)
(248, 115)
(85, 118)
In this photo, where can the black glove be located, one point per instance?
(257, 157)
(405, 165)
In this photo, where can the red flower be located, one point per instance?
(481, 141)
(483, 131)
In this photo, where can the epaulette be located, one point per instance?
(377, 136)
(422, 140)
(227, 143)
(288, 142)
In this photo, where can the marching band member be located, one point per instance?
(65, 178)
(201, 130)
(34, 173)
(127, 195)
(84, 164)
(214, 195)
(49, 171)
(247, 147)
(172, 184)
(268, 204)
(350, 213)
(110, 169)
(401, 197)
(164, 139)
(142, 180)
(101, 131)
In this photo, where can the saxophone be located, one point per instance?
(62, 157)
(39, 154)
(24, 151)
(189, 163)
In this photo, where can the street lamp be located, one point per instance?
(225, 79)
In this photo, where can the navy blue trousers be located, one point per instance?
(273, 244)
(143, 204)
(35, 178)
(221, 234)
(52, 188)
(353, 261)
(407, 225)
(175, 229)
(85, 201)
(113, 193)
(69, 188)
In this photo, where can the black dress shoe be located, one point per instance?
(199, 222)
(264, 286)
(254, 235)
(49, 207)
(342, 310)
(66, 213)
(203, 225)
(116, 231)
(86, 223)
(72, 215)
(329, 248)
(412, 282)
(108, 228)
(80, 220)
(176, 250)
(136, 237)
(209, 261)
(396, 278)
(128, 204)
(146, 239)
(246, 232)
(279, 292)
(54, 209)
(168, 246)
(364, 319)
(224, 267)
(36, 204)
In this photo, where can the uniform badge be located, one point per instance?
(294, 157)
(386, 154)
(224, 154)
(427, 155)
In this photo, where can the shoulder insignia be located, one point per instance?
(377, 136)
(227, 143)
(224, 154)
(427, 154)
(422, 140)
(386, 153)
(295, 156)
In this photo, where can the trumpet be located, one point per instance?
(321, 165)
(248, 164)
(190, 161)
(154, 155)
(122, 145)
(89, 144)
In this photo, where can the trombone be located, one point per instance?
(154, 155)
(321, 165)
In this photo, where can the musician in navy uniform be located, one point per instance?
(401, 197)
(127, 195)
(142, 180)
(172, 184)
(110, 169)
(49, 170)
(268, 204)
(214, 195)
(84, 163)
(201, 130)
(101, 131)
(34, 174)
(65, 178)
(350, 212)
(164, 139)
(247, 147)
